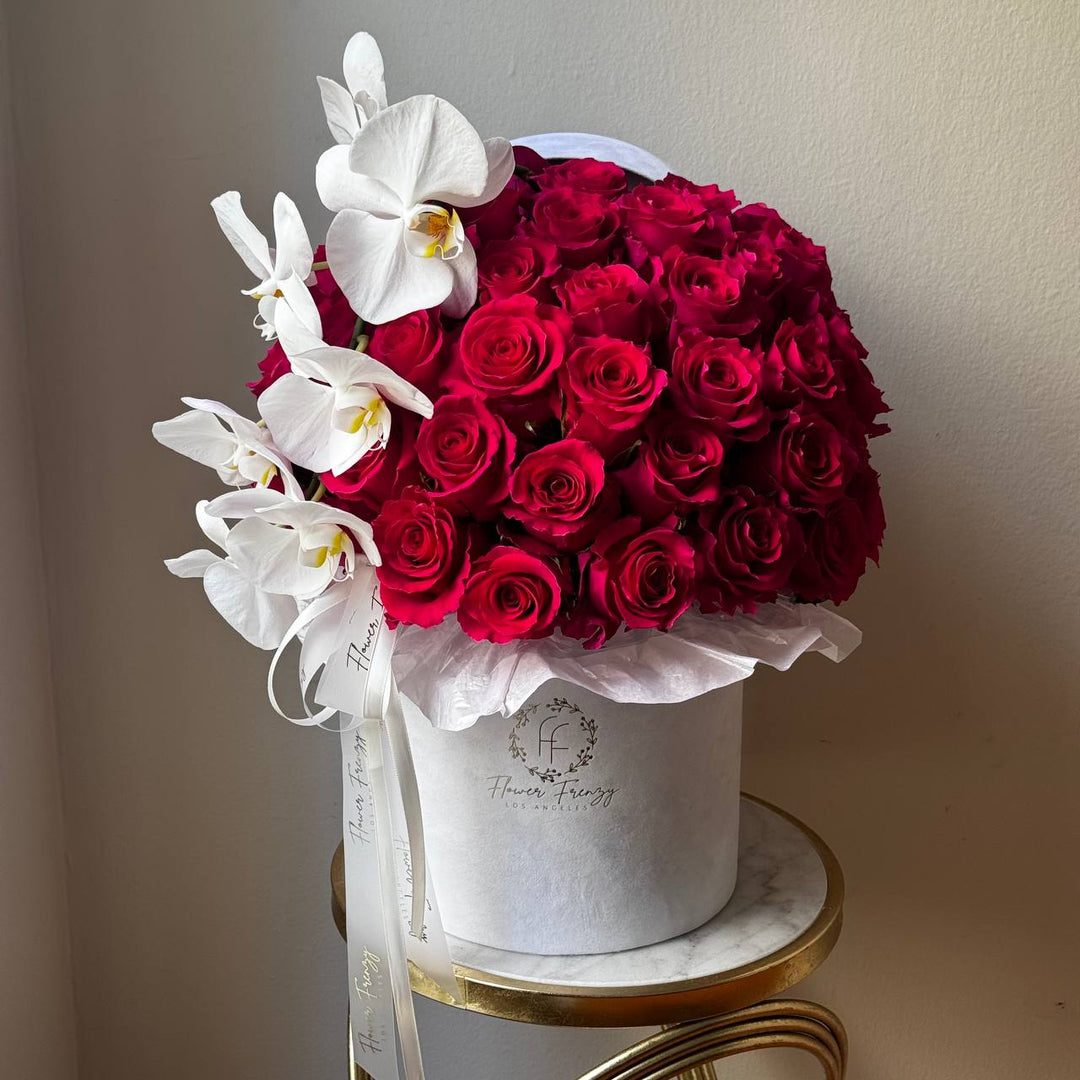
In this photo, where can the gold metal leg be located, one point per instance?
(687, 1050)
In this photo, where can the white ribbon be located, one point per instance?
(349, 653)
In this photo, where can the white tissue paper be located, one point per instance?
(583, 801)
(453, 680)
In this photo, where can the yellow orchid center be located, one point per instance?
(369, 416)
(319, 555)
(435, 231)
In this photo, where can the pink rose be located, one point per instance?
(412, 346)
(837, 547)
(746, 550)
(611, 300)
(644, 579)
(610, 386)
(466, 451)
(861, 400)
(583, 226)
(497, 220)
(675, 212)
(801, 354)
(509, 350)
(425, 559)
(720, 380)
(380, 474)
(584, 174)
(560, 494)
(808, 458)
(708, 294)
(677, 467)
(510, 594)
(520, 264)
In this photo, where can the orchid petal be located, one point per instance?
(293, 252)
(194, 564)
(340, 109)
(260, 617)
(344, 368)
(500, 157)
(422, 149)
(299, 413)
(342, 189)
(381, 280)
(463, 294)
(305, 515)
(196, 435)
(214, 528)
(249, 243)
(363, 67)
(268, 555)
(243, 503)
(264, 321)
(299, 331)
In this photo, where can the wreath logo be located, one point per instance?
(553, 739)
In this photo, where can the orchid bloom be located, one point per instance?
(347, 110)
(331, 409)
(260, 617)
(284, 270)
(396, 244)
(296, 549)
(240, 450)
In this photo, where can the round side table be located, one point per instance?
(706, 989)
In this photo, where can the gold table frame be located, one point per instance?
(703, 1019)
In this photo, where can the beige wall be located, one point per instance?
(932, 147)
(37, 1014)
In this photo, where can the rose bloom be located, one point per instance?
(520, 264)
(801, 354)
(724, 382)
(497, 220)
(411, 346)
(380, 474)
(583, 226)
(837, 547)
(612, 300)
(746, 549)
(466, 451)
(808, 458)
(862, 398)
(610, 386)
(677, 213)
(676, 468)
(425, 559)
(509, 351)
(584, 174)
(643, 579)
(560, 494)
(708, 293)
(510, 594)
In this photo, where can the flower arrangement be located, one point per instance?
(541, 396)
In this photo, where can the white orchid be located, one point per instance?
(331, 409)
(348, 109)
(397, 244)
(260, 617)
(242, 452)
(283, 270)
(293, 548)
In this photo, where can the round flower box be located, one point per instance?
(580, 824)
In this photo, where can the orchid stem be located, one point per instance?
(320, 266)
(320, 491)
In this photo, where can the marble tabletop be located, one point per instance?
(780, 892)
